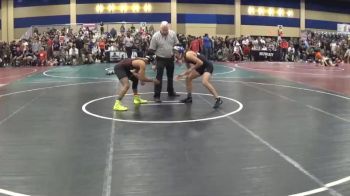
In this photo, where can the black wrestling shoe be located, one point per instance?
(157, 100)
(217, 103)
(187, 100)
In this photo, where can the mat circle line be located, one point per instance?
(162, 122)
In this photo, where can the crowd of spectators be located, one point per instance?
(332, 45)
(91, 44)
(65, 47)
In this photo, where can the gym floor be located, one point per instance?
(283, 129)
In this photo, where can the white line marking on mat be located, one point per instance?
(287, 72)
(85, 110)
(155, 104)
(164, 102)
(331, 184)
(18, 110)
(285, 86)
(295, 101)
(327, 113)
(76, 77)
(19, 75)
(10, 193)
(226, 72)
(50, 87)
(107, 182)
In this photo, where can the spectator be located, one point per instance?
(284, 46)
(102, 48)
(347, 56)
(128, 43)
(122, 29)
(42, 60)
(113, 33)
(206, 46)
(195, 45)
(73, 55)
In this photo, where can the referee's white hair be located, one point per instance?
(164, 24)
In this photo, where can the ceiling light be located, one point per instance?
(271, 11)
(123, 8)
(135, 7)
(147, 7)
(111, 7)
(261, 11)
(99, 8)
(280, 12)
(290, 13)
(251, 10)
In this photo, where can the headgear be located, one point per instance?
(179, 49)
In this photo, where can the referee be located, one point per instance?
(162, 45)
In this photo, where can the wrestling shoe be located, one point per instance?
(119, 107)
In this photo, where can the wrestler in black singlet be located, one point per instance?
(206, 67)
(123, 69)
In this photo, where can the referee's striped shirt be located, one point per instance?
(163, 45)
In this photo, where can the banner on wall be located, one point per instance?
(91, 26)
(343, 28)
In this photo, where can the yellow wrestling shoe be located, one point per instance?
(138, 100)
(119, 107)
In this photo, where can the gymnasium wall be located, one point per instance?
(197, 17)
(161, 11)
(326, 14)
(264, 23)
(0, 21)
(39, 12)
(45, 12)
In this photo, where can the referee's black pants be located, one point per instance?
(128, 51)
(168, 64)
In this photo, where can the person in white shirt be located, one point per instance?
(237, 52)
(162, 44)
(334, 47)
(73, 54)
(291, 53)
(347, 55)
(262, 41)
(245, 42)
(128, 42)
(255, 44)
(264, 48)
(113, 48)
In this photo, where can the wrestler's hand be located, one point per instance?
(178, 77)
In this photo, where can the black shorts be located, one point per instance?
(122, 72)
(205, 68)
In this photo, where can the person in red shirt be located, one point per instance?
(102, 46)
(284, 46)
(49, 47)
(200, 40)
(42, 57)
(318, 56)
(195, 45)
